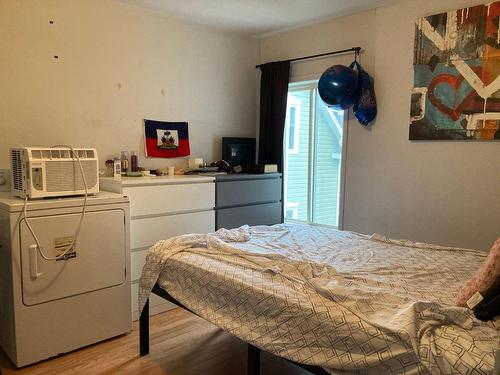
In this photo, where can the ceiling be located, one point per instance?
(258, 17)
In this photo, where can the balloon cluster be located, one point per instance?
(342, 87)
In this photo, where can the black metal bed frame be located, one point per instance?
(253, 354)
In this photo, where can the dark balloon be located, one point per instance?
(365, 107)
(338, 86)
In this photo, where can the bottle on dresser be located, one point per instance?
(134, 161)
(124, 162)
(117, 173)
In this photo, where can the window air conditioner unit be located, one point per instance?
(40, 172)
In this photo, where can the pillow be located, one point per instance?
(485, 279)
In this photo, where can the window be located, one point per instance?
(292, 133)
(313, 156)
(291, 129)
(292, 210)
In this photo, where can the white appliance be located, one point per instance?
(52, 307)
(40, 172)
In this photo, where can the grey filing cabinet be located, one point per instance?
(253, 199)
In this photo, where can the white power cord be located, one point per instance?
(77, 233)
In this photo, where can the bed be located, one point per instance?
(330, 301)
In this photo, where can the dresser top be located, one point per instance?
(246, 176)
(156, 180)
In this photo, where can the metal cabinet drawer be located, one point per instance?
(239, 193)
(259, 214)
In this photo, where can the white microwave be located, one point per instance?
(40, 172)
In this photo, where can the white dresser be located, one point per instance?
(160, 208)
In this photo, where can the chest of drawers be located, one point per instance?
(160, 208)
(252, 199)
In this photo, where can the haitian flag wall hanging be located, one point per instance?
(166, 139)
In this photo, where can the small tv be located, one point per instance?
(238, 151)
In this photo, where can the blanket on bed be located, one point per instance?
(340, 300)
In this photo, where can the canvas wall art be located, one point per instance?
(456, 86)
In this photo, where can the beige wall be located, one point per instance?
(441, 192)
(117, 65)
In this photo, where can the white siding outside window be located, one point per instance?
(292, 127)
(312, 157)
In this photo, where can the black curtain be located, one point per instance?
(273, 94)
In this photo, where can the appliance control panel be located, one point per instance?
(36, 175)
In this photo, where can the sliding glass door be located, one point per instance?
(312, 155)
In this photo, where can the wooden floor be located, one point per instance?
(181, 344)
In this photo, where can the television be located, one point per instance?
(238, 151)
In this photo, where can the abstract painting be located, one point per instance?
(456, 84)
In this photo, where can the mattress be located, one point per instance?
(347, 302)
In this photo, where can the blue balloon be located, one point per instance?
(365, 107)
(338, 86)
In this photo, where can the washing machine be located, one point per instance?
(50, 307)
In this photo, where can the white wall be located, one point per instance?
(119, 64)
(441, 192)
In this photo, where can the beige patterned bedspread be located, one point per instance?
(340, 300)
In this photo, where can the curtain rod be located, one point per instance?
(353, 49)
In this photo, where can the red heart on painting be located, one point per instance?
(472, 103)
(455, 82)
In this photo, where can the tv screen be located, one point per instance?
(238, 151)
